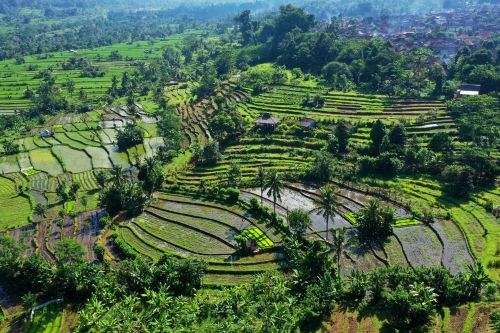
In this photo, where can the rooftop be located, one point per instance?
(267, 119)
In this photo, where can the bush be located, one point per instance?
(104, 221)
(99, 251)
(232, 194)
(123, 248)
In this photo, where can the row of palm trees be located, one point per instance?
(327, 205)
(273, 182)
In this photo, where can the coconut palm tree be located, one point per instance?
(41, 210)
(275, 185)
(117, 175)
(101, 178)
(261, 180)
(327, 204)
(340, 243)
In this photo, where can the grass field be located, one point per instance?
(15, 210)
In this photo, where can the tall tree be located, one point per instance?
(340, 243)
(378, 132)
(375, 221)
(275, 185)
(244, 23)
(117, 176)
(299, 220)
(327, 204)
(261, 181)
(342, 134)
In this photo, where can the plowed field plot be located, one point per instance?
(456, 255)
(232, 220)
(421, 245)
(188, 239)
(24, 236)
(218, 230)
(87, 232)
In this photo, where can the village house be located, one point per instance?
(467, 89)
(266, 121)
(352, 129)
(307, 123)
(46, 133)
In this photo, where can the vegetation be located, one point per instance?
(166, 171)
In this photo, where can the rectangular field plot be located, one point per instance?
(130, 236)
(421, 245)
(39, 182)
(8, 164)
(108, 135)
(86, 180)
(100, 158)
(258, 236)
(14, 210)
(182, 237)
(43, 160)
(65, 140)
(75, 160)
(24, 161)
(227, 279)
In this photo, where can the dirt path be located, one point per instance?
(87, 232)
(42, 245)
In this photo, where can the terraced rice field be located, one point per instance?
(44, 160)
(16, 78)
(187, 226)
(479, 228)
(15, 210)
(421, 245)
(47, 319)
(75, 161)
(286, 151)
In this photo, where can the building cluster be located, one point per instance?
(445, 33)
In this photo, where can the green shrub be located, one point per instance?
(232, 194)
(99, 251)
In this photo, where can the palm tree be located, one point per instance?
(118, 175)
(261, 180)
(275, 185)
(327, 204)
(101, 178)
(339, 244)
(41, 210)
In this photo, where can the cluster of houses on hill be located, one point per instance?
(445, 32)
